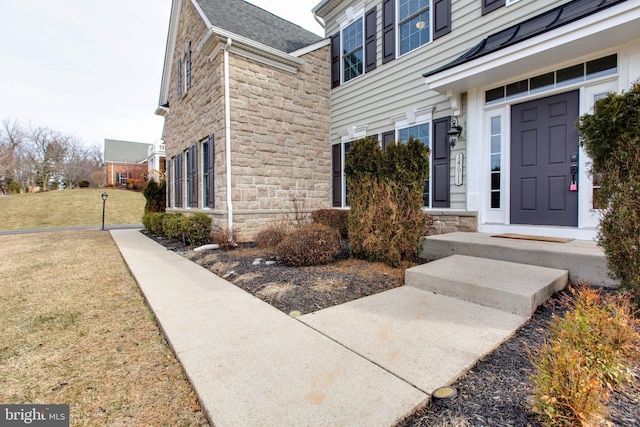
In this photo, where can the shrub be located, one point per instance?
(334, 218)
(611, 137)
(156, 196)
(135, 184)
(385, 193)
(172, 225)
(15, 187)
(312, 244)
(271, 236)
(197, 229)
(152, 221)
(83, 184)
(224, 238)
(588, 355)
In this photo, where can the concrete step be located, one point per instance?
(583, 259)
(511, 287)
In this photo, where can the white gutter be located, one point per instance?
(319, 21)
(227, 137)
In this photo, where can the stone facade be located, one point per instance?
(279, 130)
(442, 222)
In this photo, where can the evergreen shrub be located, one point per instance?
(83, 184)
(172, 225)
(385, 191)
(611, 137)
(155, 193)
(197, 229)
(311, 244)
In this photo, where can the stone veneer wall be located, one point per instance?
(443, 222)
(279, 130)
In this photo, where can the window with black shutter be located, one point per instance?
(491, 5)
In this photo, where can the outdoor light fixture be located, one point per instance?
(454, 132)
(104, 200)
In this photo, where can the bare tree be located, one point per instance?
(11, 140)
(80, 163)
(47, 150)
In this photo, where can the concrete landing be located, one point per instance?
(584, 260)
(514, 288)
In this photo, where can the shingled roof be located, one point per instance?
(252, 22)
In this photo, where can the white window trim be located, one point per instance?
(353, 133)
(398, 39)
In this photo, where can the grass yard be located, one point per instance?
(68, 208)
(74, 329)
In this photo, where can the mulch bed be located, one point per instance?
(496, 392)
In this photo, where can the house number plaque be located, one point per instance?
(459, 169)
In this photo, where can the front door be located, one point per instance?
(543, 140)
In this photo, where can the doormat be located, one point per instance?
(536, 238)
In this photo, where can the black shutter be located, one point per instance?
(491, 5)
(370, 40)
(388, 138)
(336, 174)
(211, 175)
(168, 184)
(335, 60)
(179, 78)
(187, 71)
(388, 31)
(177, 173)
(441, 18)
(440, 168)
(193, 176)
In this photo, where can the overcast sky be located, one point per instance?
(93, 68)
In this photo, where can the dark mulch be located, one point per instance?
(496, 392)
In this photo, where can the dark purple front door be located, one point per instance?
(543, 138)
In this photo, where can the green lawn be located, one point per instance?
(68, 208)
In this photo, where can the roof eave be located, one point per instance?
(216, 37)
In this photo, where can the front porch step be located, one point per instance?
(511, 287)
(584, 260)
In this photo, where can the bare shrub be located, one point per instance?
(313, 244)
(334, 218)
(224, 238)
(271, 236)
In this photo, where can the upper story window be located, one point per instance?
(179, 78)
(352, 50)
(187, 68)
(414, 24)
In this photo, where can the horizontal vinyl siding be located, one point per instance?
(398, 86)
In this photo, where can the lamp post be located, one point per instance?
(104, 200)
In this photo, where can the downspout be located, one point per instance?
(227, 137)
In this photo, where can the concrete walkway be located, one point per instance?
(369, 362)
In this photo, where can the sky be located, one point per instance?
(91, 68)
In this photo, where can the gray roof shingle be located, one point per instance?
(117, 151)
(252, 22)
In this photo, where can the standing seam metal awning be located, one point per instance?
(574, 29)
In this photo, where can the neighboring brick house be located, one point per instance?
(245, 96)
(125, 160)
(513, 74)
